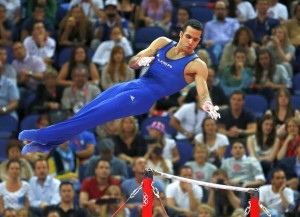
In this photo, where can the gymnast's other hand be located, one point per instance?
(211, 109)
(144, 61)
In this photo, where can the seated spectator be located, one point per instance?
(24, 213)
(239, 212)
(129, 185)
(237, 122)
(94, 188)
(205, 210)
(6, 27)
(156, 13)
(81, 92)
(182, 196)
(269, 76)
(128, 10)
(276, 197)
(202, 170)
(129, 143)
(215, 142)
(79, 55)
(13, 191)
(278, 10)
(160, 204)
(53, 213)
(108, 130)
(236, 76)
(187, 120)
(282, 50)
(224, 201)
(67, 207)
(204, 56)
(106, 147)
(38, 14)
(49, 5)
(13, 151)
(75, 28)
(182, 15)
(92, 9)
(9, 94)
(9, 212)
(6, 68)
(292, 141)
(43, 188)
(39, 43)
(103, 53)
(13, 8)
(117, 70)
(262, 26)
(244, 11)
(264, 145)
(243, 37)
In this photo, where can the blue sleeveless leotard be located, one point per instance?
(163, 78)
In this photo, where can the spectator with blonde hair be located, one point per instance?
(205, 210)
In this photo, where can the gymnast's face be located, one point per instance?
(189, 39)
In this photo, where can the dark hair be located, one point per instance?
(80, 66)
(66, 183)
(36, 22)
(37, 6)
(236, 36)
(240, 142)
(11, 162)
(276, 170)
(72, 61)
(14, 143)
(202, 125)
(238, 92)
(195, 24)
(42, 117)
(40, 160)
(290, 108)
(3, 6)
(185, 167)
(102, 160)
(259, 69)
(296, 7)
(220, 172)
(185, 9)
(260, 136)
(240, 49)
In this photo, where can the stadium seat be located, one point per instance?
(8, 126)
(170, 131)
(3, 144)
(256, 103)
(202, 13)
(193, 2)
(145, 35)
(296, 84)
(29, 122)
(185, 151)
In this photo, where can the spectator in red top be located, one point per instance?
(95, 187)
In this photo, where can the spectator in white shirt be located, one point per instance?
(278, 10)
(244, 10)
(39, 43)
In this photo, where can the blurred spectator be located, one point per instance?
(103, 53)
(9, 212)
(204, 56)
(215, 142)
(282, 50)
(48, 94)
(129, 143)
(244, 11)
(38, 14)
(237, 123)
(242, 38)
(106, 210)
(166, 106)
(110, 19)
(269, 76)
(242, 170)
(264, 145)
(9, 94)
(106, 147)
(108, 130)
(6, 27)
(289, 146)
(13, 151)
(202, 170)
(117, 70)
(182, 15)
(129, 10)
(24, 212)
(81, 92)
(43, 188)
(13, 191)
(213, 40)
(158, 209)
(53, 213)
(156, 13)
(278, 11)
(30, 69)
(262, 25)
(187, 120)
(205, 210)
(6, 68)
(129, 185)
(236, 76)
(93, 9)
(182, 196)
(79, 55)
(276, 197)
(13, 8)
(39, 43)
(75, 28)
(239, 212)
(224, 201)
(95, 187)
(49, 5)
(67, 207)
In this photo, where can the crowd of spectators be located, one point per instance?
(57, 55)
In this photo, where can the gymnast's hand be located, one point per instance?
(211, 110)
(144, 61)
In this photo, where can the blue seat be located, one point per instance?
(3, 145)
(256, 103)
(29, 122)
(296, 84)
(194, 2)
(170, 131)
(145, 35)
(202, 13)
(65, 54)
(296, 102)
(185, 151)
(8, 126)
